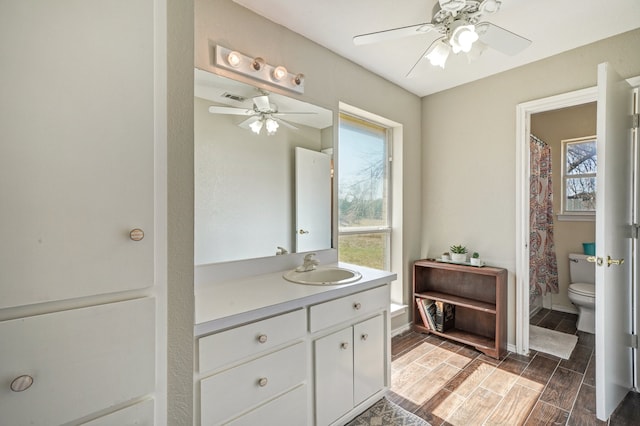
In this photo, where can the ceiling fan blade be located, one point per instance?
(230, 110)
(286, 123)
(262, 103)
(291, 113)
(422, 56)
(392, 34)
(245, 124)
(500, 39)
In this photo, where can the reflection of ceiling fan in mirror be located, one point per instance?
(460, 31)
(262, 114)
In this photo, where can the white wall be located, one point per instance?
(469, 150)
(329, 79)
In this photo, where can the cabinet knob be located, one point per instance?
(344, 345)
(21, 383)
(136, 234)
(262, 338)
(357, 306)
(364, 336)
(262, 382)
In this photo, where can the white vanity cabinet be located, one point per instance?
(351, 364)
(254, 371)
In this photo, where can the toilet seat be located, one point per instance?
(583, 289)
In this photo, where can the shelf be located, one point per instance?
(459, 301)
(480, 298)
(480, 342)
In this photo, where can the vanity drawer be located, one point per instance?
(222, 348)
(289, 409)
(229, 393)
(81, 361)
(348, 307)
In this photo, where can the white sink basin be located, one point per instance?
(331, 275)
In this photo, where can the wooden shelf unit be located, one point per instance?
(480, 297)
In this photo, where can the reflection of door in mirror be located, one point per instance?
(244, 182)
(313, 200)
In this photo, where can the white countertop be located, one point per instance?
(228, 304)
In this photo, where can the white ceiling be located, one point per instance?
(554, 26)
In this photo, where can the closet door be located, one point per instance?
(76, 150)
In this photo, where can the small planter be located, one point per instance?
(475, 261)
(459, 257)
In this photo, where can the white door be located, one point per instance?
(313, 200)
(368, 358)
(613, 242)
(76, 149)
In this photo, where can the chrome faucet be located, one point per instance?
(309, 263)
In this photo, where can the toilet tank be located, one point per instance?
(581, 271)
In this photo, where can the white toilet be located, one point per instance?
(582, 290)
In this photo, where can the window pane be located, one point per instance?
(362, 178)
(581, 194)
(364, 249)
(581, 158)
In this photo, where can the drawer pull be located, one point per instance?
(21, 383)
(262, 338)
(262, 382)
(344, 345)
(357, 306)
(136, 234)
(364, 336)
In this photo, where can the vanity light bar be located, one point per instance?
(256, 68)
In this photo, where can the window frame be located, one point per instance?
(575, 215)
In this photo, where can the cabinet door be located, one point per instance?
(368, 358)
(333, 376)
(77, 150)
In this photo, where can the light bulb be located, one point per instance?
(279, 73)
(256, 126)
(257, 64)
(271, 125)
(438, 56)
(233, 58)
(462, 38)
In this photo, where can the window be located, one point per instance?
(579, 166)
(364, 199)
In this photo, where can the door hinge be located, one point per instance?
(634, 341)
(635, 231)
(635, 121)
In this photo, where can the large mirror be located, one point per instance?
(259, 190)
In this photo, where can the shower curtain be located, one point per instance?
(543, 268)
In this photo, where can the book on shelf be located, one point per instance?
(422, 312)
(427, 309)
(445, 316)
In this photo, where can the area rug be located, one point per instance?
(551, 342)
(386, 413)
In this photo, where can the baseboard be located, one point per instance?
(401, 329)
(565, 309)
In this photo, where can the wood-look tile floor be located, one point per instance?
(447, 383)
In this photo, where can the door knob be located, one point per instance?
(597, 260)
(611, 261)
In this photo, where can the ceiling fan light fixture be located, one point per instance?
(233, 59)
(256, 126)
(439, 54)
(463, 37)
(271, 125)
(279, 73)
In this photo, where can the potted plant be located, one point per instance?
(475, 259)
(446, 257)
(458, 253)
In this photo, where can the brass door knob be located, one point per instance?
(611, 261)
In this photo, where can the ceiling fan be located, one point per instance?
(458, 24)
(262, 114)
